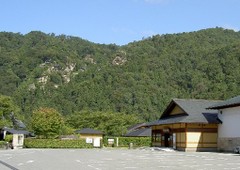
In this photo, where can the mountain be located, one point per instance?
(71, 74)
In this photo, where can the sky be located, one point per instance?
(117, 21)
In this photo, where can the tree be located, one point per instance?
(114, 124)
(33, 68)
(6, 107)
(47, 122)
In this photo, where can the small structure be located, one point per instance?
(91, 135)
(18, 136)
(141, 132)
(18, 132)
(229, 129)
(187, 125)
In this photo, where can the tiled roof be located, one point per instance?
(140, 132)
(136, 126)
(89, 131)
(233, 102)
(195, 112)
(15, 131)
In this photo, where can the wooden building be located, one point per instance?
(91, 135)
(187, 125)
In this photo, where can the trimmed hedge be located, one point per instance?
(56, 143)
(81, 143)
(125, 141)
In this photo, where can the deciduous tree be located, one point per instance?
(47, 122)
(6, 107)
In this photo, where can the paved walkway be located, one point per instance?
(114, 159)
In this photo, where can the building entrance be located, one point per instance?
(166, 139)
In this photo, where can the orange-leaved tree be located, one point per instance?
(47, 122)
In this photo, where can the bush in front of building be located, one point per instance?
(8, 138)
(3, 144)
(125, 141)
(56, 143)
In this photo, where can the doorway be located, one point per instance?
(166, 139)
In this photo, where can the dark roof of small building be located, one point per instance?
(233, 102)
(15, 131)
(89, 131)
(136, 126)
(142, 132)
(194, 112)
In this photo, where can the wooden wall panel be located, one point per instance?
(176, 110)
(209, 137)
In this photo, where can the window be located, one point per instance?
(20, 139)
(156, 136)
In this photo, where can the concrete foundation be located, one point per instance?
(228, 144)
(197, 149)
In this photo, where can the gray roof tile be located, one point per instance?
(195, 112)
(233, 102)
(140, 132)
(89, 131)
(15, 131)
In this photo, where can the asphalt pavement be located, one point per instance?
(115, 159)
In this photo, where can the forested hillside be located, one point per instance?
(73, 75)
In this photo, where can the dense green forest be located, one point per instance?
(73, 75)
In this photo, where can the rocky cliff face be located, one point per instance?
(66, 74)
(120, 58)
(51, 69)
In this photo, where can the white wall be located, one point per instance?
(230, 126)
(18, 140)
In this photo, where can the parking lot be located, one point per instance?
(114, 159)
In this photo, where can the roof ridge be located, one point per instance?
(235, 101)
(191, 99)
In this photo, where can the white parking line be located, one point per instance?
(91, 166)
(30, 161)
(130, 167)
(20, 164)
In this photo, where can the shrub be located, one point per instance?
(8, 138)
(56, 143)
(125, 141)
